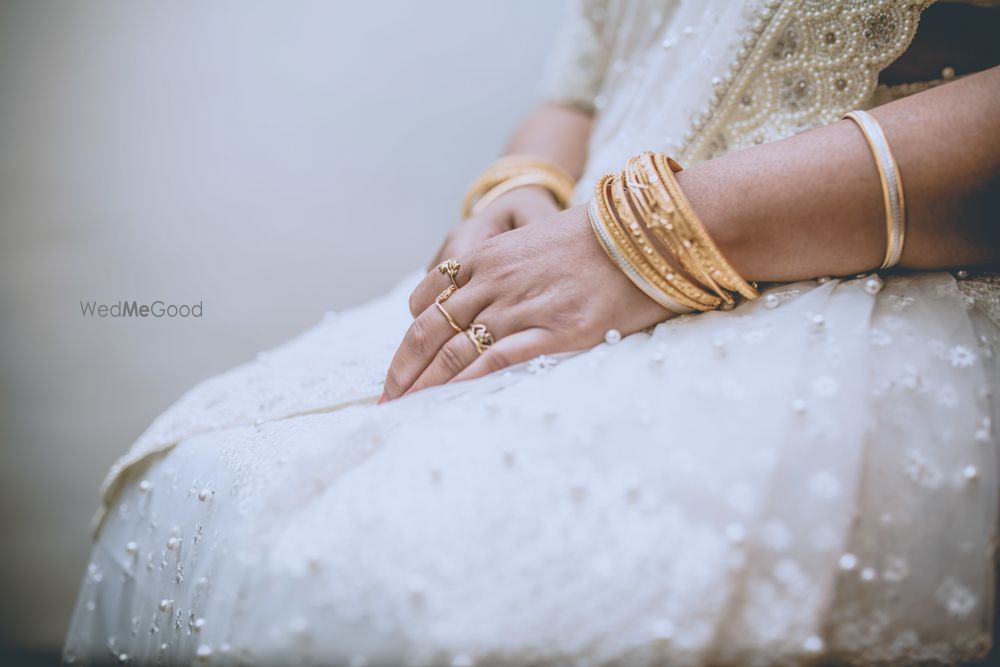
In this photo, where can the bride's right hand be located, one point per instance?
(509, 211)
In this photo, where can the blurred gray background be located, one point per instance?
(271, 159)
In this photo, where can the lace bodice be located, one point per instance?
(803, 65)
(698, 79)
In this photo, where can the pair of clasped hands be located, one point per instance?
(534, 276)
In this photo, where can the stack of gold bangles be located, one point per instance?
(647, 227)
(516, 171)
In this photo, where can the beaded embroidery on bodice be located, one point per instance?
(802, 64)
(706, 78)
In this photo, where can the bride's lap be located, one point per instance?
(674, 491)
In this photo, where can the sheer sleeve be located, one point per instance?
(579, 57)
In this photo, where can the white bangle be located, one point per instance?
(892, 185)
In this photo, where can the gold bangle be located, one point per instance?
(892, 185)
(662, 226)
(693, 233)
(636, 235)
(531, 169)
(617, 248)
(646, 196)
(621, 236)
(540, 179)
(622, 263)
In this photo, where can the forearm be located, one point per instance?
(559, 133)
(812, 204)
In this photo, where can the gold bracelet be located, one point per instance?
(622, 263)
(541, 179)
(617, 247)
(646, 197)
(662, 228)
(665, 228)
(532, 170)
(892, 185)
(622, 201)
(693, 233)
(621, 235)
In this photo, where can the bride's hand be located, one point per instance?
(509, 211)
(539, 289)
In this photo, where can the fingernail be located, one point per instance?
(383, 399)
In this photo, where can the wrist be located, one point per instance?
(645, 221)
(529, 194)
(721, 205)
(513, 172)
(524, 204)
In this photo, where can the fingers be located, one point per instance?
(507, 351)
(428, 333)
(453, 357)
(434, 283)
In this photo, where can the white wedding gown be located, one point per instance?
(813, 474)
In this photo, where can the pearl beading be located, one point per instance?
(801, 65)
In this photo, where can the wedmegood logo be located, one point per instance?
(157, 309)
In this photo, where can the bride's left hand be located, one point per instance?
(538, 289)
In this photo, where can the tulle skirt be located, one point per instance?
(811, 474)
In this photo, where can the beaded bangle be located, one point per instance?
(602, 225)
(892, 185)
(528, 170)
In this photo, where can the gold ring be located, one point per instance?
(443, 296)
(479, 336)
(450, 268)
(447, 316)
